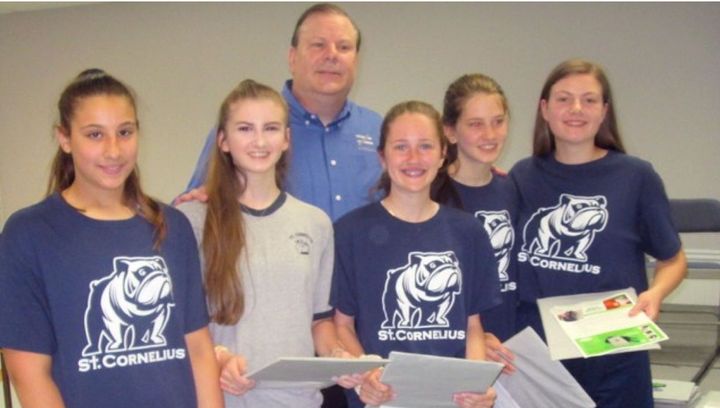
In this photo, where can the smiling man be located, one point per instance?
(333, 162)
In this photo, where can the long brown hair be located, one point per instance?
(419, 107)
(93, 82)
(608, 136)
(224, 234)
(456, 95)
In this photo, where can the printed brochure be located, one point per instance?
(602, 326)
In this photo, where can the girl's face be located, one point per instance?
(574, 110)
(255, 135)
(413, 153)
(480, 130)
(103, 142)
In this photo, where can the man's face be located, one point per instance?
(325, 59)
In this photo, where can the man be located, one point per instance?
(334, 161)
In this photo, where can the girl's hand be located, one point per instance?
(495, 351)
(232, 376)
(372, 391)
(475, 400)
(354, 380)
(648, 302)
(349, 381)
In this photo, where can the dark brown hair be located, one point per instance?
(456, 96)
(94, 82)
(608, 136)
(323, 8)
(396, 111)
(224, 234)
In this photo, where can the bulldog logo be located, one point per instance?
(129, 308)
(499, 228)
(302, 242)
(421, 293)
(566, 230)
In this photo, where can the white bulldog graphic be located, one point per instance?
(566, 230)
(499, 228)
(130, 307)
(421, 293)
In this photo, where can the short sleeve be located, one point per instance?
(321, 306)
(196, 314)
(659, 236)
(485, 284)
(343, 293)
(25, 317)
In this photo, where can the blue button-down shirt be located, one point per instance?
(333, 167)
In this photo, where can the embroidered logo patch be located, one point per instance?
(303, 242)
(364, 142)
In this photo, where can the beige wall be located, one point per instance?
(663, 61)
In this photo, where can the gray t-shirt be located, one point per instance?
(287, 270)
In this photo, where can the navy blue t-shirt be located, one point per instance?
(111, 311)
(412, 286)
(495, 206)
(587, 227)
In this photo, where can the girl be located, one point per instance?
(589, 213)
(411, 275)
(475, 121)
(102, 304)
(267, 256)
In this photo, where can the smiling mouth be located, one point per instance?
(414, 172)
(488, 146)
(575, 123)
(259, 155)
(112, 169)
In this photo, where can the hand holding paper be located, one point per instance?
(648, 302)
(423, 381)
(475, 400)
(232, 376)
(496, 351)
(594, 324)
(374, 392)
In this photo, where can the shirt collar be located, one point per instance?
(296, 109)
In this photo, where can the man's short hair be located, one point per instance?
(323, 8)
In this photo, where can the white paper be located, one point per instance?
(540, 382)
(560, 344)
(310, 371)
(673, 390)
(423, 381)
(504, 399)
